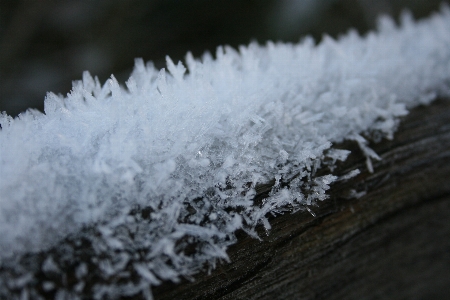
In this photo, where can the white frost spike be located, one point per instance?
(52, 104)
(177, 158)
(115, 88)
(88, 82)
(310, 211)
(338, 154)
(349, 175)
(368, 152)
(145, 273)
(132, 85)
(176, 71)
(162, 84)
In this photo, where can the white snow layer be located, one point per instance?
(190, 145)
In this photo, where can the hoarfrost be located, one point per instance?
(155, 178)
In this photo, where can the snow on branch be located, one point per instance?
(187, 146)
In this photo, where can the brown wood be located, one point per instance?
(393, 243)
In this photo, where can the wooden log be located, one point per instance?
(394, 242)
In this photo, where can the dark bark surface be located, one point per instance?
(393, 243)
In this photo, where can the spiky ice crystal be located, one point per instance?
(171, 161)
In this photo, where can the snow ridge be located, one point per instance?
(171, 161)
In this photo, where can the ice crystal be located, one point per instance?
(154, 178)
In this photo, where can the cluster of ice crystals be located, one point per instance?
(164, 169)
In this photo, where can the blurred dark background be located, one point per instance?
(45, 44)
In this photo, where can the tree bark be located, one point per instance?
(394, 242)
